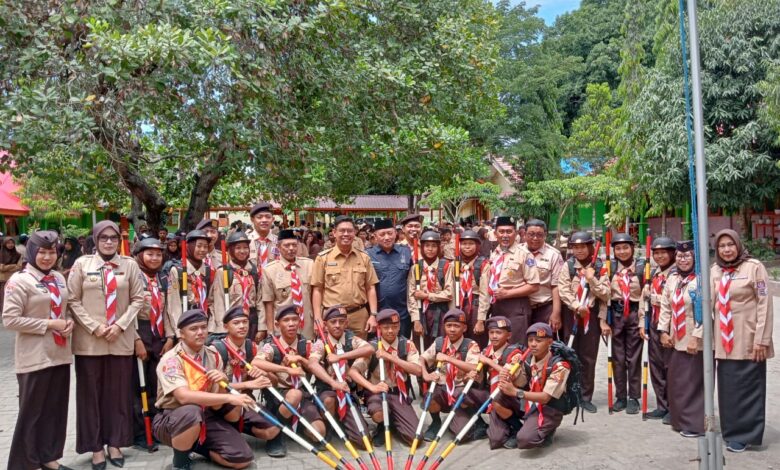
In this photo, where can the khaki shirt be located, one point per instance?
(665, 322)
(27, 310)
(276, 287)
(472, 357)
(751, 310)
(216, 258)
(318, 349)
(478, 291)
(549, 262)
(266, 353)
(344, 279)
(87, 302)
(439, 294)
(235, 297)
(170, 374)
(412, 355)
(7, 270)
(448, 250)
(598, 289)
(554, 384)
(233, 364)
(520, 378)
(254, 249)
(144, 313)
(635, 286)
(175, 308)
(518, 269)
(655, 298)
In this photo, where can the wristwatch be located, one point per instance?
(373, 314)
(520, 394)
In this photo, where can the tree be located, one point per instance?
(452, 198)
(291, 100)
(593, 138)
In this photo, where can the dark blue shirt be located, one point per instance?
(393, 270)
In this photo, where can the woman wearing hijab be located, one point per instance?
(680, 333)
(743, 340)
(172, 248)
(10, 262)
(69, 256)
(36, 308)
(106, 294)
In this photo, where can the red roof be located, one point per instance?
(9, 203)
(506, 169)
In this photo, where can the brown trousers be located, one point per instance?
(104, 405)
(659, 365)
(402, 419)
(349, 425)
(482, 338)
(41, 424)
(532, 434)
(541, 313)
(518, 311)
(462, 415)
(586, 346)
(500, 429)
(153, 345)
(626, 351)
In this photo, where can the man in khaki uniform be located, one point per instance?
(546, 302)
(201, 285)
(262, 246)
(513, 278)
(214, 259)
(278, 290)
(345, 276)
(411, 226)
(447, 243)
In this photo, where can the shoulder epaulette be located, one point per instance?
(324, 252)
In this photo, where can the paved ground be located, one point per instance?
(601, 442)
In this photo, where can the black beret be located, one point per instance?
(189, 317)
(382, 224)
(207, 223)
(285, 311)
(261, 206)
(333, 312)
(454, 315)
(499, 322)
(685, 246)
(388, 315)
(233, 313)
(411, 218)
(287, 235)
(540, 330)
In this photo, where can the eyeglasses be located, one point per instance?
(534, 234)
(685, 255)
(108, 239)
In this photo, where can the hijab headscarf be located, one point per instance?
(98, 229)
(69, 256)
(742, 252)
(40, 239)
(9, 256)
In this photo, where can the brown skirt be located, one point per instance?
(685, 391)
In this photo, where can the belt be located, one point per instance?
(355, 309)
(544, 304)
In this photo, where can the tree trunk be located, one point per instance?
(747, 231)
(558, 226)
(628, 224)
(593, 210)
(201, 190)
(663, 223)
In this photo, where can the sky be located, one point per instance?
(549, 9)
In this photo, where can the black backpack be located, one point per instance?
(225, 355)
(303, 348)
(402, 353)
(572, 398)
(462, 350)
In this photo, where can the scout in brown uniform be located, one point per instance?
(288, 282)
(474, 277)
(447, 243)
(663, 255)
(458, 356)
(196, 415)
(236, 323)
(683, 338)
(276, 356)
(154, 333)
(513, 277)
(201, 285)
(106, 293)
(435, 292)
(243, 291)
(743, 340)
(547, 383)
(626, 292)
(10, 262)
(577, 273)
(411, 227)
(401, 359)
(36, 308)
(346, 347)
(214, 258)
(345, 276)
(262, 246)
(546, 302)
(506, 409)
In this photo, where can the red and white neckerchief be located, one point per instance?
(155, 307)
(199, 290)
(237, 365)
(584, 320)
(400, 381)
(430, 285)
(56, 305)
(466, 288)
(724, 310)
(495, 275)
(294, 380)
(452, 372)
(110, 286)
(263, 249)
(537, 385)
(341, 397)
(678, 306)
(247, 283)
(624, 282)
(296, 291)
(658, 288)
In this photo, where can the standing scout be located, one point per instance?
(474, 277)
(435, 292)
(548, 376)
(345, 276)
(200, 279)
(214, 258)
(243, 290)
(626, 291)
(105, 295)
(154, 335)
(546, 302)
(584, 290)
(663, 249)
(345, 348)
(411, 226)
(262, 249)
(195, 414)
(391, 262)
(513, 277)
(236, 350)
(36, 308)
(401, 359)
(458, 356)
(287, 281)
(284, 354)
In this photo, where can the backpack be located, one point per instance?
(225, 355)
(402, 353)
(572, 397)
(303, 348)
(252, 272)
(508, 350)
(462, 350)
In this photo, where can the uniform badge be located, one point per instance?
(530, 262)
(172, 369)
(761, 288)
(501, 324)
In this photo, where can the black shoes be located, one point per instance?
(589, 407)
(378, 439)
(620, 405)
(433, 429)
(276, 447)
(657, 413)
(633, 406)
